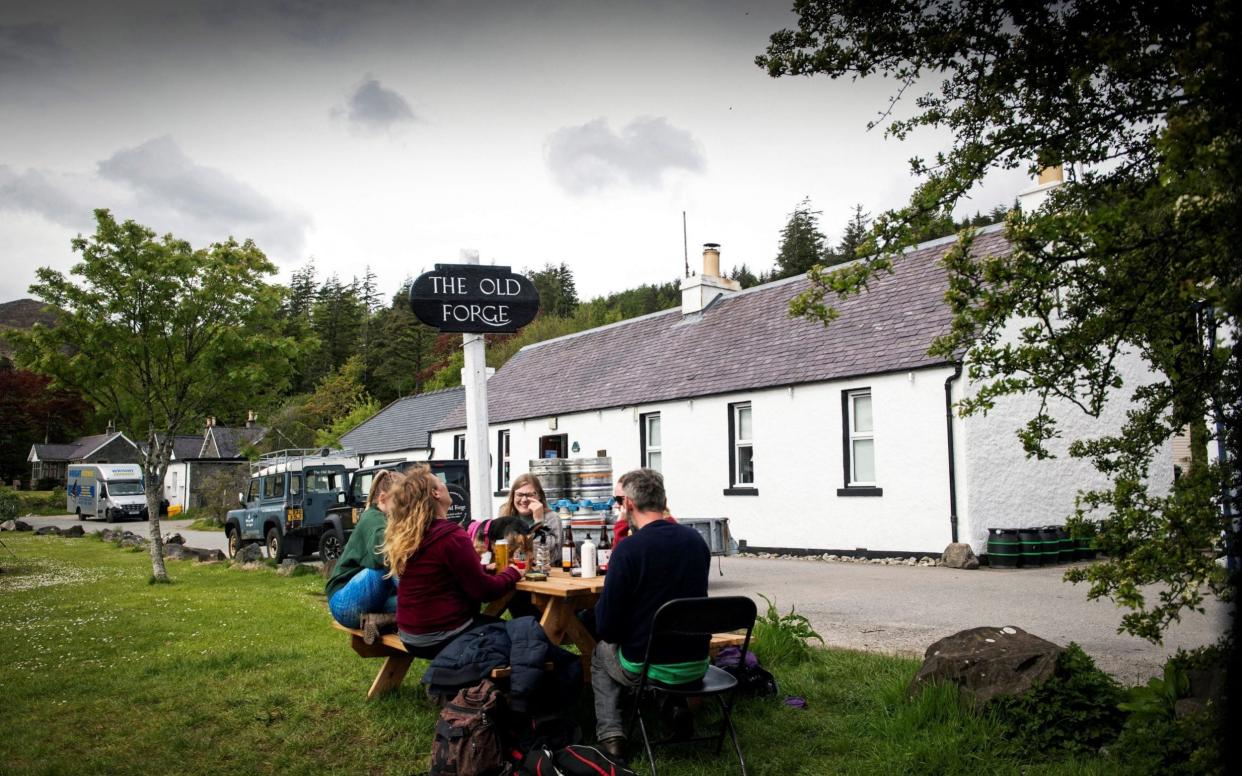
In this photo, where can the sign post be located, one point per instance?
(473, 300)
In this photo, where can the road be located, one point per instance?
(207, 540)
(903, 609)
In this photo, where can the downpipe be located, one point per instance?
(948, 421)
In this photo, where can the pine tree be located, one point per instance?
(802, 243)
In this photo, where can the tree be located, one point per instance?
(153, 332)
(30, 412)
(802, 244)
(557, 293)
(744, 276)
(853, 238)
(1136, 253)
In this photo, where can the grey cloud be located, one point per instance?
(56, 197)
(592, 157)
(157, 185)
(375, 107)
(28, 48)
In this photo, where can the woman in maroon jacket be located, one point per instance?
(441, 582)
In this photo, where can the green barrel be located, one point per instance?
(1004, 548)
(1032, 547)
(1085, 548)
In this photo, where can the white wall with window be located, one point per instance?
(794, 436)
(652, 449)
(459, 447)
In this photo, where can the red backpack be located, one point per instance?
(574, 760)
(468, 736)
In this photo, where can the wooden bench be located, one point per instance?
(397, 659)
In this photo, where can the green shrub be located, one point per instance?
(1167, 746)
(1074, 711)
(782, 638)
(10, 504)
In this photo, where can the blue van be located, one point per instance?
(288, 497)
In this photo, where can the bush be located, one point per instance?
(782, 638)
(1161, 746)
(1074, 711)
(10, 504)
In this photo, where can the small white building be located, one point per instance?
(835, 439)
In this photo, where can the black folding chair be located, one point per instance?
(696, 617)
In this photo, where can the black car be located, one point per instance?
(342, 518)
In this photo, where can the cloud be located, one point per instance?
(156, 184)
(27, 49)
(374, 107)
(593, 157)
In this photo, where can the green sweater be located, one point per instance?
(361, 550)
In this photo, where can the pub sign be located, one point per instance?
(472, 298)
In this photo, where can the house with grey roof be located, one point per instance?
(402, 430)
(838, 439)
(49, 462)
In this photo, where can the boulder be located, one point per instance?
(291, 567)
(176, 552)
(8, 525)
(249, 553)
(209, 556)
(133, 541)
(74, 531)
(48, 530)
(175, 539)
(959, 555)
(989, 662)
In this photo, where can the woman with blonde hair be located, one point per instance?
(360, 585)
(528, 506)
(440, 580)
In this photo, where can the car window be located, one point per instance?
(253, 493)
(295, 485)
(362, 486)
(322, 481)
(274, 486)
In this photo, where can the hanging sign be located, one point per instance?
(472, 298)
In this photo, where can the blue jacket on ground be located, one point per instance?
(520, 644)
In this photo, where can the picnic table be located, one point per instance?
(558, 599)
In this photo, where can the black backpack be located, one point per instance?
(576, 760)
(468, 734)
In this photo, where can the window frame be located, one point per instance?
(644, 440)
(736, 487)
(459, 447)
(849, 435)
(504, 471)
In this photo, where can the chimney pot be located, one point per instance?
(711, 260)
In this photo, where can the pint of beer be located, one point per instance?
(501, 553)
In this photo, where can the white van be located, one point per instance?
(112, 491)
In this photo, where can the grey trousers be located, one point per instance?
(610, 682)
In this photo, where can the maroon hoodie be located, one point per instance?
(444, 583)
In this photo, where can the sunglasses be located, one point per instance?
(618, 500)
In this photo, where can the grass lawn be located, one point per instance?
(41, 502)
(227, 671)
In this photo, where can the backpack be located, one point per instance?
(752, 678)
(576, 760)
(468, 735)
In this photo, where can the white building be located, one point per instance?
(402, 430)
(832, 439)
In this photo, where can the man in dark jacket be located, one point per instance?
(660, 562)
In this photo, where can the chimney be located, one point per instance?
(211, 421)
(111, 426)
(1049, 178)
(698, 291)
(250, 418)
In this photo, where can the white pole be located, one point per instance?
(474, 378)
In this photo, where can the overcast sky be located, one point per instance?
(395, 134)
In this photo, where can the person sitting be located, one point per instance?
(440, 580)
(360, 594)
(660, 561)
(526, 510)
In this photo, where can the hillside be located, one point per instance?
(21, 314)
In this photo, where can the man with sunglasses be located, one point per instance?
(659, 562)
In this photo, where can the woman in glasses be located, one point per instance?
(528, 507)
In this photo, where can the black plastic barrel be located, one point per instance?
(1052, 545)
(1004, 548)
(1085, 549)
(1032, 547)
(1066, 545)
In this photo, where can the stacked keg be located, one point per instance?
(1034, 547)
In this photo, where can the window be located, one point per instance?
(554, 446)
(321, 481)
(274, 486)
(295, 485)
(459, 447)
(362, 487)
(741, 451)
(252, 493)
(649, 441)
(502, 467)
(858, 444)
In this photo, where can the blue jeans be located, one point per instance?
(368, 591)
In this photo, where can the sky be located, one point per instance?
(393, 135)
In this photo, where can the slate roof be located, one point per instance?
(406, 424)
(186, 446)
(740, 342)
(229, 441)
(75, 450)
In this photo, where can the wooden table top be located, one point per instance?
(562, 585)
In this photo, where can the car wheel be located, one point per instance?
(110, 516)
(81, 516)
(234, 539)
(331, 543)
(275, 545)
